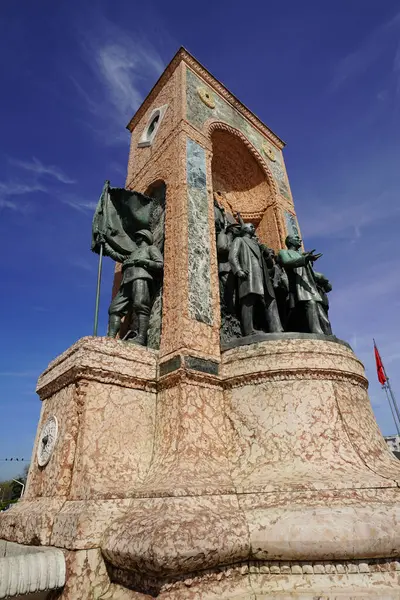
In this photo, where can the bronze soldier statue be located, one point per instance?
(250, 263)
(324, 287)
(303, 286)
(225, 226)
(138, 271)
(280, 284)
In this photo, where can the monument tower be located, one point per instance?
(210, 463)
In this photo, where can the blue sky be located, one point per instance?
(325, 76)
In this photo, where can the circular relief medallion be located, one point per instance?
(206, 96)
(268, 151)
(47, 441)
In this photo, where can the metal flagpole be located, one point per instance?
(389, 388)
(106, 191)
(391, 409)
(96, 310)
(389, 392)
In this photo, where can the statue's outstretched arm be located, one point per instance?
(239, 218)
(290, 263)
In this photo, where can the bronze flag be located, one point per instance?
(119, 213)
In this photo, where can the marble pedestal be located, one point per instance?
(264, 476)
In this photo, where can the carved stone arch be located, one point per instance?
(213, 125)
(149, 179)
(156, 186)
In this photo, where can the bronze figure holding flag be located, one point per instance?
(122, 230)
(139, 270)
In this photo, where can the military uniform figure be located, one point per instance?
(280, 283)
(138, 271)
(304, 291)
(249, 263)
(225, 229)
(324, 287)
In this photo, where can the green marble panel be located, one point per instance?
(291, 224)
(199, 263)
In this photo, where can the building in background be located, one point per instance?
(393, 442)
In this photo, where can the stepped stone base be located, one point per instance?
(284, 581)
(262, 476)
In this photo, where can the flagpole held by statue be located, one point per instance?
(104, 193)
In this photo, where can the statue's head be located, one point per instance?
(234, 228)
(249, 229)
(143, 234)
(293, 241)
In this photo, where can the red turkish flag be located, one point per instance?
(379, 366)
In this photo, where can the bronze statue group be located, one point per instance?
(259, 290)
(266, 292)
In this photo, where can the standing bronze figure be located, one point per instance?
(304, 295)
(225, 226)
(139, 269)
(249, 262)
(324, 287)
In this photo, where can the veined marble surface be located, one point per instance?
(198, 234)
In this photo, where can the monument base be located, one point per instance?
(377, 580)
(264, 476)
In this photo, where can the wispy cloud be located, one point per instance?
(385, 283)
(118, 169)
(16, 189)
(8, 204)
(383, 39)
(79, 204)
(37, 167)
(18, 374)
(83, 264)
(346, 218)
(12, 193)
(9, 191)
(123, 69)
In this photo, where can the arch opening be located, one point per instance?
(239, 182)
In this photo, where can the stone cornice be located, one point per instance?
(245, 569)
(183, 375)
(104, 360)
(106, 347)
(291, 374)
(184, 56)
(110, 362)
(76, 374)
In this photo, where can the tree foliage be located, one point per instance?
(10, 491)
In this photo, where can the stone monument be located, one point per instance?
(209, 463)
